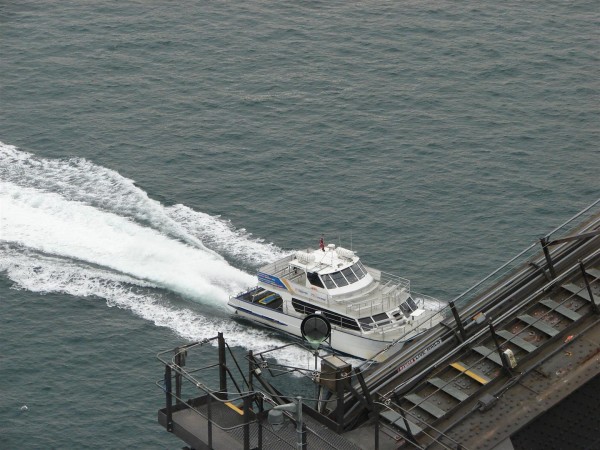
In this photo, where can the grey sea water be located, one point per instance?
(154, 154)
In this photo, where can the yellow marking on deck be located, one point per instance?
(467, 372)
(235, 408)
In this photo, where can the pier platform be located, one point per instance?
(514, 365)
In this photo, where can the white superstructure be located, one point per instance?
(367, 309)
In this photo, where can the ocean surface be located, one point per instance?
(154, 154)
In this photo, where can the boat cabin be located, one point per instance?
(338, 270)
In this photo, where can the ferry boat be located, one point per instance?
(366, 308)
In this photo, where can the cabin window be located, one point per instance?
(334, 318)
(359, 270)
(381, 319)
(313, 278)
(405, 308)
(329, 284)
(303, 308)
(366, 323)
(339, 279)
(341, 321)
(360, 265)
(412, 304)
(350, 275)
(408, 306)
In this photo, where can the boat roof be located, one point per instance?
(330, 259)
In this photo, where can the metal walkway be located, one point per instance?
(507, 350)
(515, 332)
(542, 326)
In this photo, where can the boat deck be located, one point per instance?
(384, 294)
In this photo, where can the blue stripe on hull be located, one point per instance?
(252, 313)
(272, 280)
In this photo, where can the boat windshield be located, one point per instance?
(329, 284)
(344, 277)
(408, 306)
(314, 279)
(349, 275)
(339, 279)
(359, 270)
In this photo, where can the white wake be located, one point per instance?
(73, 227)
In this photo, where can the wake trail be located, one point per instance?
(41, 273)
(79, 180)
(73, 227)
(48, 223)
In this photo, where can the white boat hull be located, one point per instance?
(359, 345)
(367, 309)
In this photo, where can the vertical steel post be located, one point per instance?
(461, 329)
(595, 305)
(250, 371)
(300, 425)
(179, 361)
(376, 413)
(246, 407)
(505, 364)
(209, 419)
(544, 242)
(222, 366)
(304, 441)
(169, 397)
(407, 425)
(339, 409)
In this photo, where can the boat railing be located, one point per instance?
(373, 306)
(212, 400)
(390, 279)
(392, 291)
(470, 301)
(427, 302)
(278, 268)
(420, 323)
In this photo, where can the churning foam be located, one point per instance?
(73, 227)
(46, 222)
(79, 180)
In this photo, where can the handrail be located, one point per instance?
(250, 428)
(461, 297)
(496, 320)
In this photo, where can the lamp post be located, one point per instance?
(277, 420)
